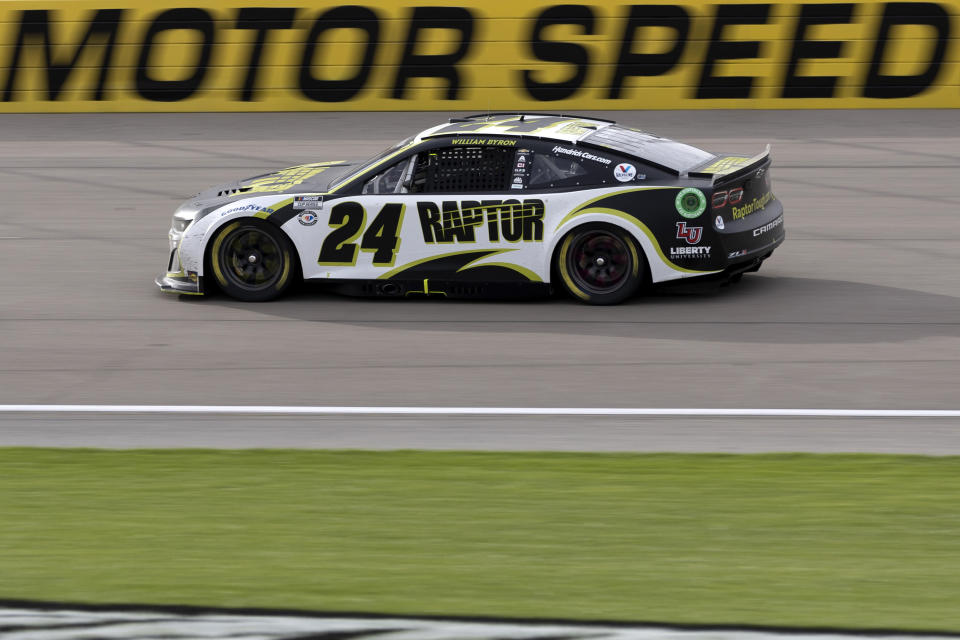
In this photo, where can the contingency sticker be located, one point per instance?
(308, 202)
(523, 160)
(625, 172)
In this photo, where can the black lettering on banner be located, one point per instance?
(712, 86)
(879, 85)
(648, 64)
(442, 65)
(565, 52)
(795, 86)
(339, 247)
(430, 222)
(262, 20)
(174, 90)
(34, 27)
(345, 17)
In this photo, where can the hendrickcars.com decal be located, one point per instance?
(135, 55)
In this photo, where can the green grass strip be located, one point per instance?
(839, 540)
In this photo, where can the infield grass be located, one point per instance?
(839, 540)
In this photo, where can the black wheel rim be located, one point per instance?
(251, 259)
(599, 262)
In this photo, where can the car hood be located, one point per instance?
(315, 177)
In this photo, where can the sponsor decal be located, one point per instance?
(165, 56)
(494, 220)
(247, 208)
(78, 622)
(691, 202)
(689, 252)
(767, 227)
(737, 254)
(521, 168)
(625, 172)
(757, 204)
(308, 202)
(691, 234)
(580, 153)
(719, 222)
(723, 198)
(307, 218)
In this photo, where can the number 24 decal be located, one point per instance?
(381, 237)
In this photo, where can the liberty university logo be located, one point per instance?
(690, 234)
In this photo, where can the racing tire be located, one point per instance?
(599, 264)
(252, 260)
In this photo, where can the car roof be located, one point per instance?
(564, 128)
(675, 157)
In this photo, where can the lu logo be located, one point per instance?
(690, 234)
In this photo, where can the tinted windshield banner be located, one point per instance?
(221, 55)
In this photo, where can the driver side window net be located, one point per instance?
(462, 169)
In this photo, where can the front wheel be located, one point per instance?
(599, 264)
(252, 260)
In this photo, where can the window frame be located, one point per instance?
(546, 146)
(401, 186)
(444, 143)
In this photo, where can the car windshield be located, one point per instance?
(383, 155)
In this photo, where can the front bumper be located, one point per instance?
(183, 283)
(177, 279)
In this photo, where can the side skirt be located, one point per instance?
(430, 288)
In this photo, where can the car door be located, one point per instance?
(460, 213)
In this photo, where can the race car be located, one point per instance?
(504, 205)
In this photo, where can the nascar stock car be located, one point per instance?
(504, 205)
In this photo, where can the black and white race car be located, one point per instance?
(505, 205)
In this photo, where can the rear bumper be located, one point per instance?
(187, 284)
(740, 256)
(756, 235)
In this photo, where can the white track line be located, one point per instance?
(476, 411)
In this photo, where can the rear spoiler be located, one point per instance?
(722, 178)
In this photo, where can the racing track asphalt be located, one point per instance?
(860, 308)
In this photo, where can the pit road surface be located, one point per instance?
(860, 308)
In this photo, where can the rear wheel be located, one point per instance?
(252, 260)
(599, 264)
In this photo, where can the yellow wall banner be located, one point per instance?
(381, 55)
